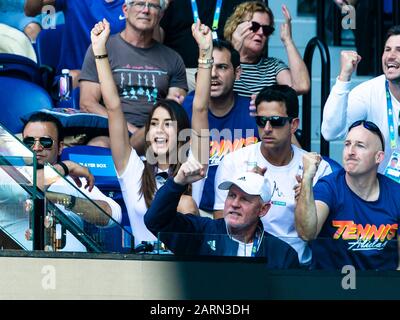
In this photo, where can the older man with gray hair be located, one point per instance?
(144, 70)
(239, 233)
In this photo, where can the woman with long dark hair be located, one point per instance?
(166, 137)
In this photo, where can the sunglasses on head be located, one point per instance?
(274, 121)
(266, 29)
(45, 142)
(371, 127)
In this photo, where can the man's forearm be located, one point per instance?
(94, 107)
(88, 212)
(306, 212)
(82, 207)
(334, 122)
(164, 206)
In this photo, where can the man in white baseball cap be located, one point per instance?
(240, 231)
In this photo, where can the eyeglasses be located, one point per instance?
(371, 127)
(274, 121)
(45, 142)
(266, 29)
(143, 4)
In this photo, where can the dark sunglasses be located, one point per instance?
(371, 127)
(45, 142)
(274, 121)
(266, 29)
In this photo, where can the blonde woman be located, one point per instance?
(249, 29)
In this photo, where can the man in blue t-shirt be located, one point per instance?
(355, 211)
(80, 17)
(231, 126)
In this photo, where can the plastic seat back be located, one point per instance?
(48, 46)
(15, 66)
(19, 97)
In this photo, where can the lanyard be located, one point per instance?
(215, 19)
(393, 143)
(258, 237)
(255, 244)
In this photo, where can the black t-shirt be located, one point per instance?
(178, 20)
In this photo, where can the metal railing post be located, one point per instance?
(325, 89)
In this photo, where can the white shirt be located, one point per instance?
(367, 101)
(130, 182)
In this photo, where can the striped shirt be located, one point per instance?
(255, 77)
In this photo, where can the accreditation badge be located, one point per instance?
(392, 169)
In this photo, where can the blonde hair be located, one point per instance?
(241, 12)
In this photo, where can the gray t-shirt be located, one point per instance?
(142, 76)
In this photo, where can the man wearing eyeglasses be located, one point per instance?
(277, 119)
(144, 70)
(377, 100)
(42, 133)
(355, 211)
(231, 126)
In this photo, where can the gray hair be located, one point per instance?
(163, 3)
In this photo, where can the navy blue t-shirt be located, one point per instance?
(357, 232)
(231, 132)
(80, 17)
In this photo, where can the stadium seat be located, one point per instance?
(48, 46)
(76, 122)
(18, 97)
(15, 66)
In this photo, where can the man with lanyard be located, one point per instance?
(175, 27)
(240, 231)
(376, 100)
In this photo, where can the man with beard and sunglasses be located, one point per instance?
(277, 109)
(42, 133)
(355, 211)
(249, 29)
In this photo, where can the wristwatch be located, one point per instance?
(71, 203)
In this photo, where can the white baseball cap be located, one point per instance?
(250, 182)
